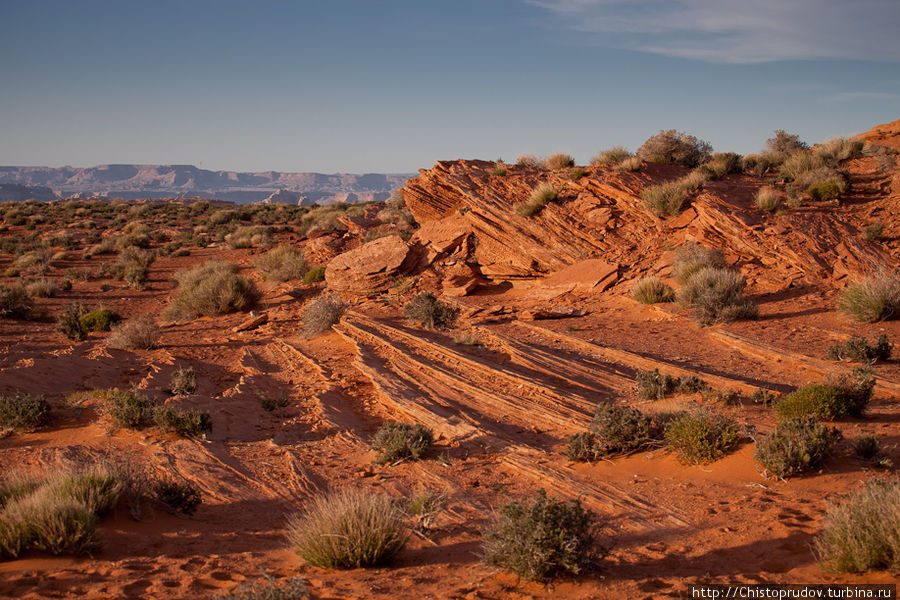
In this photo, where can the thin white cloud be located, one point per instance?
(739, 31)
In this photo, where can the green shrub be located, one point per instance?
(837, 150)
(824, 190)
(183, 421)
(650, 290)
(665, 199)
(23, 411)
(858, 349)
(716, 295)
(576, 174)
(673, 147)
(763, 397)
(761, 164)
(620, 430)
(322, 313)
(560, 160)
(583, 447)
(184, 381)
(874, 299)
(691, 257)
(348, 529)
(54, 524)
(69, 323)
(540, 196)
(132, 266)
(797, 445)
(395, 441)
(615, 155)
(15, 303)
(177, 496)
(499, 171)
(138, 333)
(314, 275)
(211, 289)
(429, 312)
(247, 237)
(290, 589)
(653, 385)
(539, 538)
(43, 288)
(282, 263)
(873, 232)
(796, 165)
(99, 320)
(701, 436)
(721, 164)
(846, 395)
(863, 532)
(94, 488)
(128, 410)
(767, 198)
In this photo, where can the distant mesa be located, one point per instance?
(131, 182)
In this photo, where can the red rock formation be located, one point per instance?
(372, 267)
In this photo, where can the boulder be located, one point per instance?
(373, 267)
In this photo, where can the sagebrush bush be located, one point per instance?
(824, 190)
(785, 143)
(653, 385)
(673, 147)
(837, 150)
(395, 441)
(863, 532)
(43, 288)
(630, 164)
(721, 164)
(615, 155)
(560, 160)
(69, 323)
(99, 320)
(716, 296)
(282, 263)
(761, 164)
(211, 289)
(322, 313)
(858, 349)
(314, 275)
(184, 381)
(576, 174)
(15, 302)
(348, 529)
(868, 447)
(691, 257)
(797, 445)
(137, 333)
(529, 161)
(186, 422)
(247, 237)
(665, 199)
(498, 171)
(540, 196)
(293, 588)
(873, 232)
(847, 394)
(798, 164)
(614, 430)
(651, 289)
(767, 198)
(131, 266)
(429, 312)
(128, 410)
(873, 299)
(176, 495)
(540, 538)
(701, 436)
(23, 411)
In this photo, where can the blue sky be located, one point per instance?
(395, 85)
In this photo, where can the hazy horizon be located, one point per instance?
(392, 87)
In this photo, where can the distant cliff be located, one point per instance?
(158, 181)
(13, 192)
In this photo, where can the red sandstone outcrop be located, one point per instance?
(372, 267)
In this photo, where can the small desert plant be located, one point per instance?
(701, 436)
(824, 190)
(184, 381)
(94, 487)
(52, 523)
(138, 333)
(183, 421)
(247, 237)
(15, 303)
(858, 349)
(425, 506)
(348, 529)
(43, 288)
(132, 266)
(539, 538)
(874, 299)
(529, 161)
(128, 410)
(797, 445)
(630, 164)
(576, 174)
(211, 289)
(293, 588)
(430, 312)
(396, 441)
(798, 164)
(665, 199)
(716, 295)
(615, 155)
(178, 496)
(845, 395)
(785, 143)
(270, 403)
(498, 171)
(465, 339)
(653, 385)
(837, 150)
(650, 290)
(763, 397)
(23, 411)
(322, 313)
(873, 232)
(282, 263)
(69, 323)
(314, 275)
(619, 430)
(540, 196)
(99, 320)
(760, 164)
(863, 532)
(673, 147)
(691, 257)
(767, 198)
(560, 160)
(721, 164)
